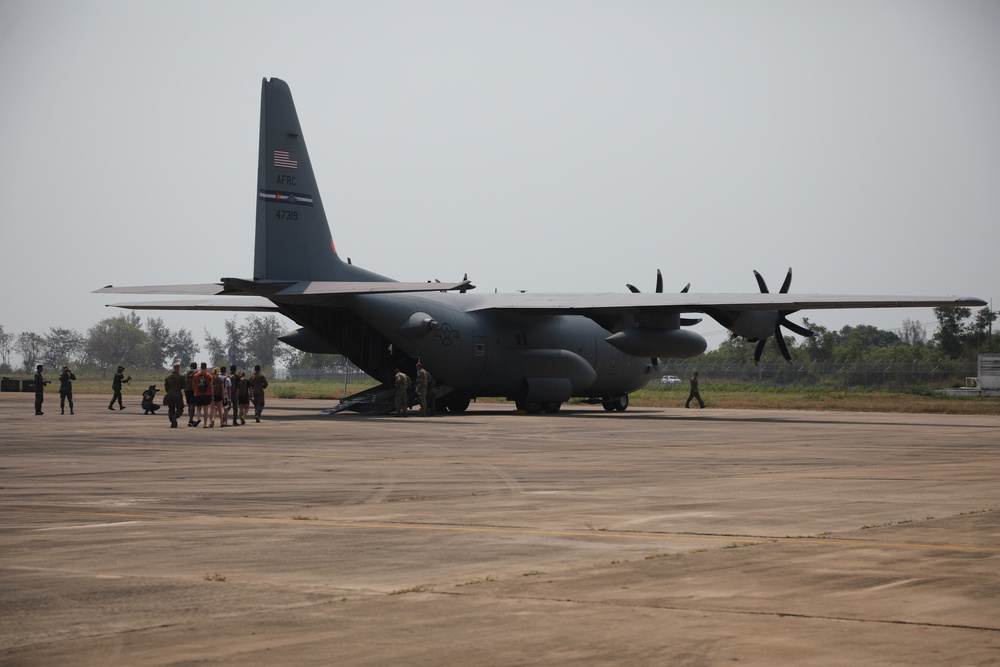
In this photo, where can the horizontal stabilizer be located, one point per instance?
(234, 286)
(204, 289)
(316, 288)
(246, 304)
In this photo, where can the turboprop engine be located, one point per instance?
(651, 342)
(758, 325)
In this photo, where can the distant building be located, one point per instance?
(989, 372)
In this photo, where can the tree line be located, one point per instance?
(127, 340)
(960, 336)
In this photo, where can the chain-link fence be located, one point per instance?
(847, 375)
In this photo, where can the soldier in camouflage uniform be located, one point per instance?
(402, 389)
(174, 387)
(40, 383)
(116, 386)
(66, 390)
(425, 392)
(258, 383)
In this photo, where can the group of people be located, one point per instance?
(65, 389)
(424, 391)
(211, 395)
(208, 395)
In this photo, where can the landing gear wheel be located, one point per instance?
(457, 404)
(616, 403)
(528, 407)
(551, 408)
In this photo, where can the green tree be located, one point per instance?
(61, 346)
(181, 347)
(6, 345)
(235, 353)
(913, 332)
(121, 341)
(949, 334)
(980, 329)
(261, 338)
(820, 346)
(174, 345)
(867, 336)
(216, 350)
(160, 334)
(29, 345)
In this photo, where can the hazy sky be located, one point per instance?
(553, 146)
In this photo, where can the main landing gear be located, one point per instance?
(615, 403)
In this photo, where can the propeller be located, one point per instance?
(659, 285)
(684, 321)
(782, 320)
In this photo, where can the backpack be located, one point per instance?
(203, 382)
(217, 386)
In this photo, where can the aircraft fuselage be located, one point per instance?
(489, 353)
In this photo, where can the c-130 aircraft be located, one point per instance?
(536, 349)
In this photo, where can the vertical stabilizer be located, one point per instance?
(293, 240)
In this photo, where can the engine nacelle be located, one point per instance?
(650, 342)
(754, 324)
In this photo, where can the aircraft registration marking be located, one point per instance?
(273, 196)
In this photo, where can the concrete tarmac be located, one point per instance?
(654, 536)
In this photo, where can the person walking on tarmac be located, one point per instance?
(40, 383)
(258, 383)
(201, 383)
(66, 390)
(242, 397)
(116, 387)
(234, 394)
(174, 386)
(694, 393)
(189, 392)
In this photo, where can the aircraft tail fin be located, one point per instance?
(293, 240)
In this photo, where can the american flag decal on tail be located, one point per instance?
(285, 160)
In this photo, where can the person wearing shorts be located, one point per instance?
(201, 386)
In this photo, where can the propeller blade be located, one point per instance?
(632, 288)
(788, 282)
(659, 282)
(781, 343)
(759, 351)
(795, 328)
(760, 282)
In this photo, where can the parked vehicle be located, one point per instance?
(670, 380)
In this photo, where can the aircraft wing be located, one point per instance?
(615, 303)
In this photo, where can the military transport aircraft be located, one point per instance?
(538, 350)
